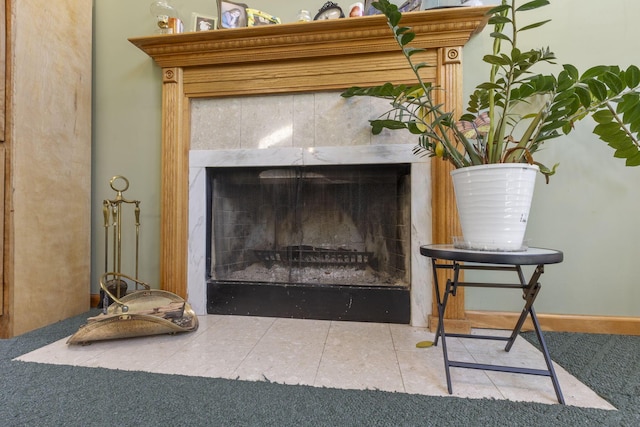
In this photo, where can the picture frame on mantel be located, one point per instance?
(369, 9)
(232, 14)
(200, 22)
(410, 6)
(257, 18)
(407, 6)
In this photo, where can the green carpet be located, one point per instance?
(34, 394)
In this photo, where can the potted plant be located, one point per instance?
(508, 118)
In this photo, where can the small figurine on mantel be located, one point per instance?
(329, 10)
(167, 17)
(304, 16)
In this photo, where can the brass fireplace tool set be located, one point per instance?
(142, 312)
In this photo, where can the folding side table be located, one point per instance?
(450, 258)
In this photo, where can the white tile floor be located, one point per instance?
(348, 355)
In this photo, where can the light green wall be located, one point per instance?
(591, 207)
(589, 210)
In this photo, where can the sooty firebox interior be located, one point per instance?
(328, 242)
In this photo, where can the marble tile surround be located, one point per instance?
(301, 129)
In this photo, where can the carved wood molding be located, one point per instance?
(368, 34)
(171, 75)
(289, 58)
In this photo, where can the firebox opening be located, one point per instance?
(345, 225)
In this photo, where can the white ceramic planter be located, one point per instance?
(493, 204)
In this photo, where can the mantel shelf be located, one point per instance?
(368, 34)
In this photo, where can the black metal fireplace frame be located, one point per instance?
(362, 303)
(384, 304)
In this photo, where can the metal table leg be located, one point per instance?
(530, 292)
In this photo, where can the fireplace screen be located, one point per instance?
(343, 225)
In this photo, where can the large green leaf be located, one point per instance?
(597, 88)
(496, 60)
(499, 19)
(565, 82)
(414, 128)
(401, 30)
(489, 86)
(594, 72)
(584, 95)
(603, 116)
(632, 76)
(618, 140)
(606, 128)
(564, 102)
(628, 102)
(632, 114)
(532, 5)
(410, 51)
(634, 127)
(499, 9)
(626, 152)
(532, 26)
(633, 160)
(407, 38)
(614, 82)
(378, 125)
(502, 36)
(572, 70)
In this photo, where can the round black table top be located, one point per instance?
(530, 256)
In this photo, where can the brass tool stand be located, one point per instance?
(143, 312)
(113, 211)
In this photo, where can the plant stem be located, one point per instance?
(497, 42)
(509, 77)
(623, 127)
(440, 131)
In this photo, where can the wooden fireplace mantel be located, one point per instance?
(290, 58)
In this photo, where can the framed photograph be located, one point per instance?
(231, 14)
(257, 17)
(369, 9)
(356, 9)
(410, 6)
(200, 22)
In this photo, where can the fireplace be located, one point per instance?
(328, 242)
(299, 211)
(298, 58)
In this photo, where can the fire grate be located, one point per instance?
(305, 255)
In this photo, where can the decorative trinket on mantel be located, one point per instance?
(356, 9)
(329, 10)
(304, 16)
(167, 17)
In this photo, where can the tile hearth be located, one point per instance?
(321, 353)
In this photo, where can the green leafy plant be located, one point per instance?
(516, 110)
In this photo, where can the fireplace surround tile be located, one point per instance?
(301, 120)
(210, 123)
(304, 120)
(319, 128)
(267, 121)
